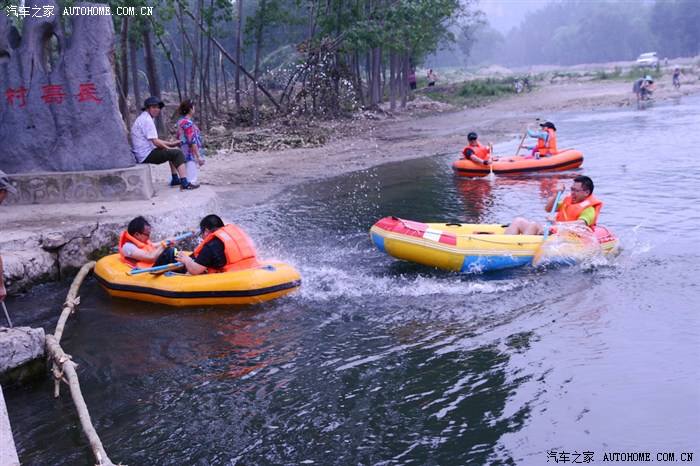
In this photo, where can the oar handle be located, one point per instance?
(168, 242)
(155, 269)
(554, 209)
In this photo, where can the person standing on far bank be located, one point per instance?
(148, 148)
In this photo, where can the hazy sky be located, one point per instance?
(506, 14)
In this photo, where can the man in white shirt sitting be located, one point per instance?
(148, 148)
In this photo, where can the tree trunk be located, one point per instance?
(169, 57)
(237, 71)
(223, 76)
(405, 71)
(124, 72)
(135, 72)
(256, 72)
(358, 77)
(246, 74)
(392, 80)
(151, 70)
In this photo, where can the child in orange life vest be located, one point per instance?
(546, 140)
(476, 152)
(580, 206)
(136, 248)
(223, 249)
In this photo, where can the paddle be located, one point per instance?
(520, 146)
(536, 259)
(168, 242)
(7, 314)
(158, 269)
(554, 209)
(491, 174)
(174, 266)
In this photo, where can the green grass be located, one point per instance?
(630, 75)
(489, 87)
(607, 74)
(472, 93)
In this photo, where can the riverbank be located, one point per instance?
(42, 243)
(253, 177)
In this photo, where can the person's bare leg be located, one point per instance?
(517, 226)
(174, 170)
(181, 170)
(533, 228)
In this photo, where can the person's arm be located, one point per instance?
(3, 291)
(141, 255)
(587, 216)
(193, 268)
(152, 135)
(476, 159)
(538, 134)
(469, 154)
(553, 197)
(165, 144)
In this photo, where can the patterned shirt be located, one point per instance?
(189, 134)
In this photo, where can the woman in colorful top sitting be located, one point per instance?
(190, 140)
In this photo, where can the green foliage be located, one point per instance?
(607, 74)
(472, 93)
(487, 87)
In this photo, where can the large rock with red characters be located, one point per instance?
(58, 99)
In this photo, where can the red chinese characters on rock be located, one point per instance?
(19, 95)
(52, 94)
(88, 93)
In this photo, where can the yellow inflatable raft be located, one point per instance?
(467, 247)
(269, 280)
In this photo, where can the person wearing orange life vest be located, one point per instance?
(136, 248)
(546, 140)
(224, 248)
(579, 207)
(475, 151)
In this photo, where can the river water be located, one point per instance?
(381, 362)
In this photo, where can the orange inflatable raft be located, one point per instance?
(564, 160)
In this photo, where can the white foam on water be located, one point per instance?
(327, 283)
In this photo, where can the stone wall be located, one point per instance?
(59, 101)
(123, 184)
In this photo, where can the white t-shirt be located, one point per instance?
(142, 131)
(128, 249)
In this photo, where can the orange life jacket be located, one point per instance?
(125, 237)
(550, 146)
(238, 248)
(569, 212)
(480, 151)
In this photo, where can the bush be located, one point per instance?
(606, 74)
(487, 87)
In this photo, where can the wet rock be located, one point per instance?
(19, 346)
(26, 267)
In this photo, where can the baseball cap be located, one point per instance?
(472, 136)
(152, 101)
(548, 124)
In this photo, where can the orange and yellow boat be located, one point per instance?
(566, 159)
(265, 281)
